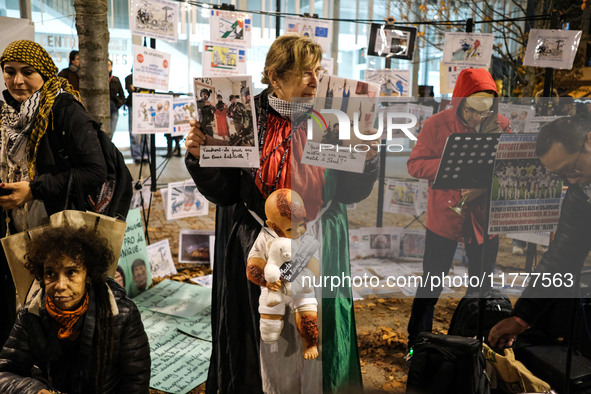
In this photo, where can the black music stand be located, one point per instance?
(468, 163)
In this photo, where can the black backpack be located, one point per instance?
(113, 197)
(447, 364)
(464, 322)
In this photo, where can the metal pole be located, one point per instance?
(382, 173)
(335, 35)
(278, 19)
(153, 144)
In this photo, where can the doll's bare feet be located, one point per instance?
(310, 353)
(308, 329)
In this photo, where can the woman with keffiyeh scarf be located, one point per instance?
(45, 135)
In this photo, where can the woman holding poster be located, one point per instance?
(240, 362)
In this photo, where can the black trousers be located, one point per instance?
(437, 261)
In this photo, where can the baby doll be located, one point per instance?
(286, 218)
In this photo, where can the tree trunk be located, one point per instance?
(93, 42)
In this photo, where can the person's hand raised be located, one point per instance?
(195, 139)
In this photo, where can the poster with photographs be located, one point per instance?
(151, 113)
(391, 41)
(223, 59)
(412, 244)
(319, 31)
(183, 110)
(154, 18)
(151, 68)
(194, 246)
(394, 83)
(524, 196)
(552, 48)
(519, 116)
(161, 262)
(335, 97)
(133, 268)
(231, 27)
(184, 200)
(225, 109)
(383, 242)
(473, 49)
(400, 196)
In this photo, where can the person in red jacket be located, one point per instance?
(474, 110)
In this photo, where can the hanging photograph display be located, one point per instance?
(151, 69)
(225, 109)
(319, 31)
(231, 27)
(223, 59)
(151, 113)
(392, 41)
(183, 110)
(552, 48)
(469, 49)
(154, 18)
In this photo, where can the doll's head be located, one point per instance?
(286, 213)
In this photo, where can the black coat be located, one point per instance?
(566, 255)
(116, 94)
(34, 358)
(70, 142)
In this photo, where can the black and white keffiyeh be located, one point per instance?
(15, 131)
(288, 109)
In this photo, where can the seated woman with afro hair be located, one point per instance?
(79, 333)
